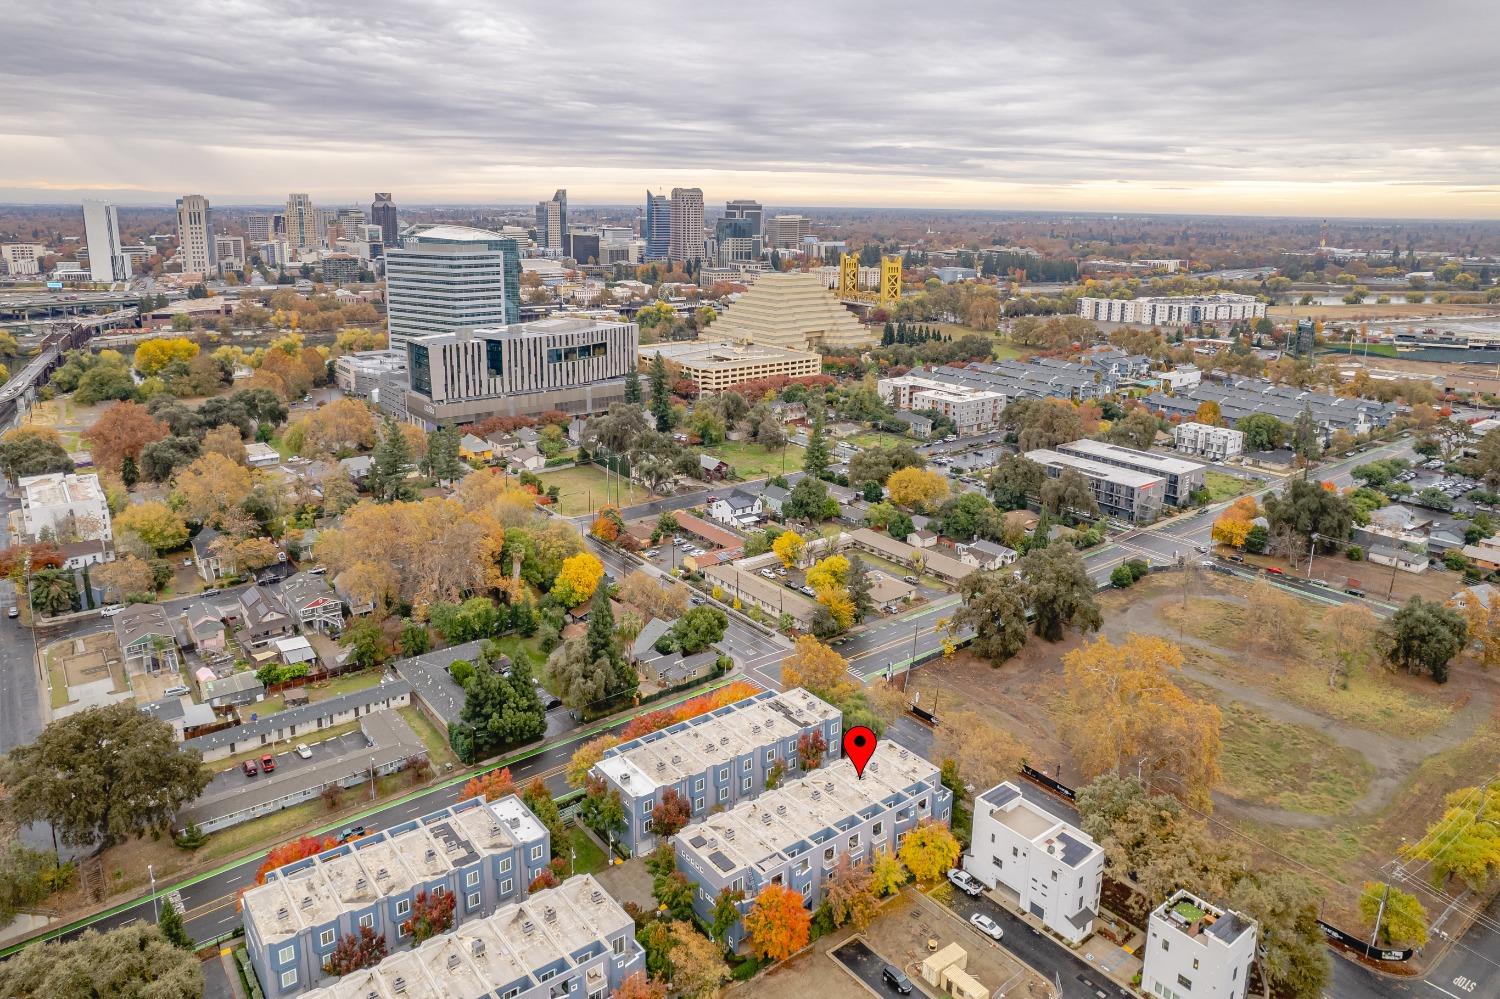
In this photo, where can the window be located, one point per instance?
(828, 855)
(697, 783)
(854, 841)
(745, 784)
(403, 907)
(922, 804)
(367, 920)
(471, 879)
(494, 362)
(723, 773)
(536, 852)
(284, 955)
(289, 978)
(723, 794)
(511, 994)
(802, 866)
(1164, 944)
(504, 864)
(439, 889)
(1015, 851)
(878, 829)
(1184, 981)
(770, 755)
(325, 938)
(505, 886)
(618, 945)
(745, 764)
(776, 879)
(646, 807)
(401, 930)
(473, 900)
(1195, 964)
(697, 804)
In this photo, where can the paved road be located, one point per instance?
(21, 685)
(859, 958)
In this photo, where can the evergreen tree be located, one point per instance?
(815, 462)
(661, 402)
(442, 454)
(633, 388)
(600, 639)
(129, 474)
(392, 461)
(171, 927)
(1305, 436)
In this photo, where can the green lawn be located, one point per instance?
(587, 857)
(338, 686)
(438, 750)
(754, 461)
(878, 438)
(1222, 485)
(519, 648)
(1267, 762)
(585, 488)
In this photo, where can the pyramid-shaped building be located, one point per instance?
(794, 311)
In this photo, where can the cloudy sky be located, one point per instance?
(1319, 108)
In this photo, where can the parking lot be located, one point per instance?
(288, 762)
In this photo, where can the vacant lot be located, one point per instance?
(585, 488)
(1223, 486)
(1397, 309)
(1331, 772)
(754, 461)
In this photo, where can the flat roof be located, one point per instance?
(1033, 818)
(722, 355)
(1096, 469)
(1156, 462)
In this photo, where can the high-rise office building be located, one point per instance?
(451, 277)
(261, 227)
(735, 241)
(302, 223)
(552, 222)
(786, 232)
(195, 235)
(383, 214)
(101, 227)
(351, 223)
(745, 209)
(657, 228)
(686, 236)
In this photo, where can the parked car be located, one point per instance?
(12, 613)
(965, 882)
(249, 768)
(350, 832)
(176, 691)
(913, 580)
(652, 553)
(984, 924)
(303, 752)
(110, 610)
(1272, 570)
(892, 976)
(268, 763)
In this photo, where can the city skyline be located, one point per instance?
(1094, 108)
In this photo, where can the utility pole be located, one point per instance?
(1312, 547)
(1381, 913)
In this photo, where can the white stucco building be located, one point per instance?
(71, 507)
(1195, 950)
(1206, 441)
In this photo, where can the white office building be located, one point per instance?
(197, 249)
(686, 237)
(1209, 442)
(302, 223)
(1195, 950)
(68, 507)
(972, 410)
(1048, 867)
(449, 277)
(229, 251)
(1184, 310)
(23, 258)
(101, 227)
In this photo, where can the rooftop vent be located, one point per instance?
(382, 874)
(430, 855)
(874, 766)
(307, 901)
(780, 809)
(729, 834)
(723, 740)
(528, 927)
(828, 786)
(549, 914)
(905, 754)
(755, 728)
(596, 896)
(372, 994)
(624, 778)
(515, 822)
(477, 948)
(360, 884)
(398, 984)
(676, 759)
(817, 795)
(661, 767)
(453, 960)
(283, 912)
(494, 828)
(765, 819)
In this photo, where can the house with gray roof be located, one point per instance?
(294, 723)
(309, 598)
(147, 640)
(258, 618)
(645, 643)
(986, 554)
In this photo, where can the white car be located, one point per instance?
(110, 610)
(984, 924)
(965, 882)
(652, 553)
(303, 751)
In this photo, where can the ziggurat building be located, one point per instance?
(792, 311)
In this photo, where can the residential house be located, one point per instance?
(917, 424)
(1400, 558)
(889, 593)
(260, 455)
(356, 601)
(236, 688)
(147, 641)
(295, 650)
(712, 469)
(576, 427)
(477, 449)
(182, 713)
(1023, 846)
(986, 555)
(922, 539)
(204, 631)
(773, 499)
(673, 669)
(482, 854)
(739, 508)
(258, 618)
(213, 562)
(64, 506)
(644, 646)
(309, 598)
(526, 459)
(1195, 950)
(357, 468)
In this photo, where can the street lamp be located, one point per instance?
(372, 777)
(155, 904)
(1312, 547)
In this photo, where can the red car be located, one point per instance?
(1271, 570)
(250, 770)
(268, 763)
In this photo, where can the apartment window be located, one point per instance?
(439, 889)
(505, 886)
(1015, 851)
(745, 764)
(401, 930)
(473, 900)
(854, 842)
(723, 773)
(284, 955)
(471, 879)
(802, 866)
(698, 784)
(646, 807)
(697, 804)
(1195, 964)
(512, 994)
(325, 938)
(367, 920)
(723, 794)
(745, 784)
(879, 829)
(289, 978)
(536, 852)
(403, 907)
(1164, 944)
(618, 945)
(828, 855)
(504, 864)
(922, 804)
(770, 755)
(1080, 882)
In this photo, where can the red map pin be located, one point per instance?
(859, 746)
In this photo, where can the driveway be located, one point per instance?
(865, 965)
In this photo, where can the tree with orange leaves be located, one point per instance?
(607, 525)
(778, 924)
(297, 849)
(1234, 524)
(121, 432)
(491, 786)
(638, 986)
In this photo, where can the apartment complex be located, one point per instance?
(1208, 442)
(1186, 310)
(574, 365)
(360, 374)
(1045, 379)
(796, 834)
(972, 410)
(101, 228)
(65, 505)
(451, 277)
(749, 587)
(197, 249)
(1120, 492)
(1238, 398)
(1050, 868)
(715, 760)
(483, 854)
(1195, 950)
(552, 222)
(792, 311)
(716, 366)
(1182, 477)
(573, 940)
(685, 233)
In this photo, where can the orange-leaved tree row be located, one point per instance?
(778, 925)
(297, 849)
(491, 786)
(653, 721)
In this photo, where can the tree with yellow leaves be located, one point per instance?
(1120, 707)
(1484, 629)
(788, 547)
(1235, 523)
(158, 352)
(840, 605)
(817, 668)
(917, 488)
(211, 485)
(929, 851)
(828, 573)
(577, 579)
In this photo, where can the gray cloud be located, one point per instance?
(468, 99)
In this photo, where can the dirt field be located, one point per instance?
(1328, 777)
(1396, 309)
(1460, 377)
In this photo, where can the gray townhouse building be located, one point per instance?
(484, 854)
(1182, 477)
(795, 835)
(1120, 492)
(573, 940)
(717, 759)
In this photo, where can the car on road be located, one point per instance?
(350, 832)
(303, 752)
(696, 601)
(110, 610)
(913, 580)
(249, 768)
(807, 590)
(652, 553)
(781, 572)
(1240, 559)
(12, 613)
(965, 882)
(1272, 570)
(1201, 549)
(268, 763)
(549, 700)
(984, 924)
(176, 691)
(892, 976)
(768, 574)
